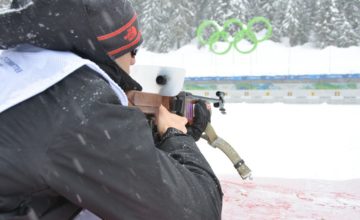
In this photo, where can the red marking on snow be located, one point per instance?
(344, 195)
(266, 198)
(250, 185)
(303, 196)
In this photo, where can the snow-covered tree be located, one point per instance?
(261, 8)
(351, 11)
(202, 10)
(220, 10)
(180, 25)
(277, 20)
(150, 24)
(240, 9)
(295, 23)
(332, 28)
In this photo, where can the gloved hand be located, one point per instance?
(201, 119)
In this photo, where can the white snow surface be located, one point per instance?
(310, 141)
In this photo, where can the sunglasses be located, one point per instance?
(134, 52)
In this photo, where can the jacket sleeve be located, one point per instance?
(103, 158)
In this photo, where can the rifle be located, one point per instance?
(182, 104)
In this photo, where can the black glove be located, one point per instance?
(201, 119)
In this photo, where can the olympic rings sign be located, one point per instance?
(221, 34)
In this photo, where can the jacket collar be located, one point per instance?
(122, 78)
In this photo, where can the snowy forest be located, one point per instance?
(171, 24)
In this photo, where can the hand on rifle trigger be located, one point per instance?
(166, 119)
(201, 119)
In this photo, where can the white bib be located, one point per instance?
(26, 71)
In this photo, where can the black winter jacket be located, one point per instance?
(76, 143)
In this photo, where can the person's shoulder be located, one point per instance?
(85, 75)
(83, 79)
(78, 95)
(85, 83)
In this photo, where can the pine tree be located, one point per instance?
(332, 27)
(202, 10)
(251, 9)
(150, 24)
(277, 20)
(260, 7)
(324, 24)
(268, 10)
(347, 32)
(295, 22)
(167, 24)
(351, 11)
(240, 10)
(153, 22)
(221, 11)
(180, 24)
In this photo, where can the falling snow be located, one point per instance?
(82, 139)
(78, 197)
(107, 134)
(78, 165)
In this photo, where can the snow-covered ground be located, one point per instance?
(287, 199)
(290, 141)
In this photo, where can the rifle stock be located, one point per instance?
(148, 103)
